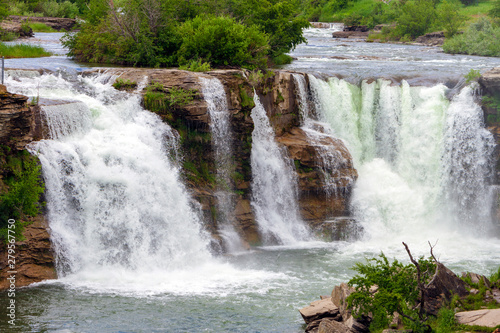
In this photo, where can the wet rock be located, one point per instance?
(342, 228)
(34, 257)
(488, 318)
(431, 39)
(441, 289)
(16, 120)
(318, 310)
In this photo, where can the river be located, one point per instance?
(402, 195)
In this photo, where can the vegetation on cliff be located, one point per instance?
(170, 33)
(20, 190)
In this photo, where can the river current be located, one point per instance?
(399, 197)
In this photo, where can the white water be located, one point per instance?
(422, 162)
(222, 143)
(120, 218)
(274, 185)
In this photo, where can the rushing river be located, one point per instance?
(406, 141)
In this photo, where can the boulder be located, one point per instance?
(16, 120)
(331, 326)
(359, 325)
(441, 289)
(339, 295)
(477, 279)
(486, 317)
(319, 309)
(431, 39)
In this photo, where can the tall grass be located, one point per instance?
(23, 51)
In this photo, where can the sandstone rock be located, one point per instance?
(339, 295)
(441, 289)
(34, 257)
(318, 310)
(488, 318)
(332, 326)
(16, 120)
(360, 325)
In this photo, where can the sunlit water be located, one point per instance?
(258, 290)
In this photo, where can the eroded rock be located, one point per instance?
(486, 317)
(318, 310)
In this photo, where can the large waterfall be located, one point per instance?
(274, 187)
(423, 161)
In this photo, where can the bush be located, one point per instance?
(449, 17)
(196, 66)
(24, 189)
(397, 291)
(221, 41)
(480, 38)
(416, 18)
(53, 8)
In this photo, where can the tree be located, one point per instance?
(450, 17)
(416, 17)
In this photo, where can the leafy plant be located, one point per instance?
(396, 291)
(480, 38)
(160, 100)
(23, 179)
(472, 76)
(120, 84)
(196, 65)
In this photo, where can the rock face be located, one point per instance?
(16, 120)
(488, 318)
(318, 310)
(34, 259)
(431, 39)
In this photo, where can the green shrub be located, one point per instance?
(40, 27)
(120, 84)
(221, 41)
(449, 17)
(23, 179)
(161, 101)
(54, 8)
(196, 66)
(415, 19)
(480, 38)
(397, 291)
(472, 76)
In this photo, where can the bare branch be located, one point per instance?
(432, 248)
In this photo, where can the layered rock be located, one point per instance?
(34, 258)
(56, 23)
(16, 120)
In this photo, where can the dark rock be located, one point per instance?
(56, 23)
(441, 289)
(331, 326)
(477, 279)
(431, 39)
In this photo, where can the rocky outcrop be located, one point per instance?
(431, 39)
(355, 31)
(56, 23)
(16, 120)
(16, 28)
(34, 259)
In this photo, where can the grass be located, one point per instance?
(41, 27)
(22, 51)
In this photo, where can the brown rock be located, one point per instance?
(16, 120)
(339, 296)
(488, 318)
(56, 23)
(431, 39)
(332, 326)
(477, 279)
(441, 289)
(318, 310)
(34, 258)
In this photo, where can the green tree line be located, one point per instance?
(165, 33)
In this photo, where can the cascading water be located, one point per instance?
(274, 187)
(222, 142)
(422, 160)
(114, 197)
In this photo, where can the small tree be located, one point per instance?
(450, 17)
(416, 18)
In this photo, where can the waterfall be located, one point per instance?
(422, 160)
(222, 142)
(114, 197)
(274, 185)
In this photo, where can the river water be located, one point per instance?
(168, 281)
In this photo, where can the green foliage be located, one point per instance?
(416, 18)
(54, 8)
(23, 179)
(221, 41)
(397, 291)
(472, 76)
(480, 38)
(7, 36)
(23, 51)
(450, 17)
(162, 101)
(124, 84)
(246, 101)
(446, 322)
(495, 11)
(196, 65)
